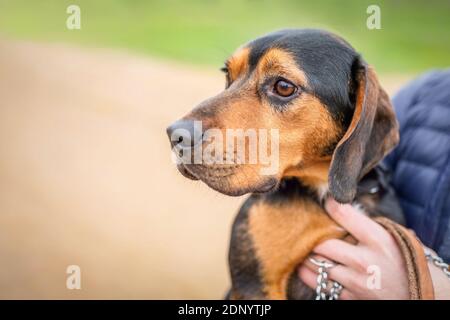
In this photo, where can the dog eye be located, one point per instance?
(284, 88)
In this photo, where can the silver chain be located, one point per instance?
(322, 282)
(438, 262)
(335, 291)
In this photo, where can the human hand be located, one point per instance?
(372, 269)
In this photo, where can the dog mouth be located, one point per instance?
(206, 173)
(186, 173)
(224, 179)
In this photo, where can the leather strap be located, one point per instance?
(419, 277)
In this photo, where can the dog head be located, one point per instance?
(317, 103)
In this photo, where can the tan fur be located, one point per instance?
(305, 131)
(284, 235)
(314, 175)
(281, 63)
(237, 64)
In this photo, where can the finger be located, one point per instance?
(347, 276)
(309, 278)
(346, 295)
(312, 266)
(360, 226)
(341, 252)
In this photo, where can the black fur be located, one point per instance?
(326, 60)
(244, 267)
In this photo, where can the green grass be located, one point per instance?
(415, 35)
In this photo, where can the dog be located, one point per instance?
(335, 124)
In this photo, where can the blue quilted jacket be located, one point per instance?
(421, 162)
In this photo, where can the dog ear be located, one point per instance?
(372, 133)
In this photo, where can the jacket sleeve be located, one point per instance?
(406, 97)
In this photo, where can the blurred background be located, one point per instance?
(86, 176)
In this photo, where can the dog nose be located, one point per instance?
(184, 133)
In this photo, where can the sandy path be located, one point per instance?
(86, 178)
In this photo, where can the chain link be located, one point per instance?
(438, 262)
(335, 291)
(322, 282)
